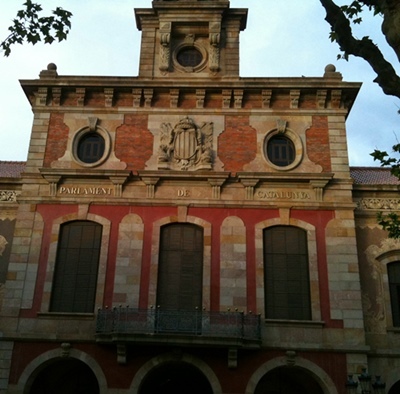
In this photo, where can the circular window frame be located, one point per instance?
(189, 69)
(78, 137)
(298, 146)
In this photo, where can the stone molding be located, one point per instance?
(392, 204)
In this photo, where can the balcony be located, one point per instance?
(126, 325)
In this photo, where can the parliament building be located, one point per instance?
(190, 231)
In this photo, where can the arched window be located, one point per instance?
(75, 275)
(180, 271)
(286, 274)
(394, 288)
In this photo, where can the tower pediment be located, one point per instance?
(188, 39)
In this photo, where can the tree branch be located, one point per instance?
(365, 48)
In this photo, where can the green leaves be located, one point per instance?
(391, 221)
(30, 27)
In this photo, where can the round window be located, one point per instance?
(280, 151)
(189, 57)
(91, 147)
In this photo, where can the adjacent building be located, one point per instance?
(191, 231)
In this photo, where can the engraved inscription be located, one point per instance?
(282, 195)
(93, 191)
(183, 193)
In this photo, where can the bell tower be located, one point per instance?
(190, 39)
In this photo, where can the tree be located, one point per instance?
(340, 20)
(29, 26)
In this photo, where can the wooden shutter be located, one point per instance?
(75, 276)
(286, 274)
(180, 271)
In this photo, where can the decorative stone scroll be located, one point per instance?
(80, 96)
(321, 98)
(41, 97)
(215, 38)
(56, 94)
(294, 98)
(8, 195)
(186, 146)
(109, 96)
(266, 98)
(165, 50)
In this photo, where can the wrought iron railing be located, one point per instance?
(125, 320)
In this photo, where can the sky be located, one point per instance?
(287, 38)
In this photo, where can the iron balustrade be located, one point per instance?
(232, 325)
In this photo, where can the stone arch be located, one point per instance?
(36, 365)
(312, 260)
(317, 373)
(233, 277)
(173, 357)
(379, 317)
(129, 261)
(206, 255)
(82, 214)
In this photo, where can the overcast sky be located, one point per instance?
(283, 39)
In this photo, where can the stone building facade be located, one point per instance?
(189, 230)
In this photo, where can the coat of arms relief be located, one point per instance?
(186, 146)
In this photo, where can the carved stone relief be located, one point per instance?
(3, 244)
(8, 195)
(186, 146)
(379, 203)
(165, 50)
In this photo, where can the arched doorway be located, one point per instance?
(65, 376)
(395, 389)
(175, 378)
(287, 380)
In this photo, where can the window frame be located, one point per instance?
(60, 285)
(82, 133)
(394, 291)
(282, 263)
(189, 69)
(297, 146)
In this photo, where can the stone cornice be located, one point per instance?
(261, 93)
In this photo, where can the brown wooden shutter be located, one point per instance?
(286, 274)
(75, 276)
(180, 271)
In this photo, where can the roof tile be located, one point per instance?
(11, 169)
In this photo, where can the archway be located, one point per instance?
(175, 378)
(395, 388)
(287, 380)
(65, 376)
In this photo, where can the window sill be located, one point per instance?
(394, 330)
(294, 323)
(66, 315)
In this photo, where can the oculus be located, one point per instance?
(91, 145)
(189, 56)
(283, 149)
